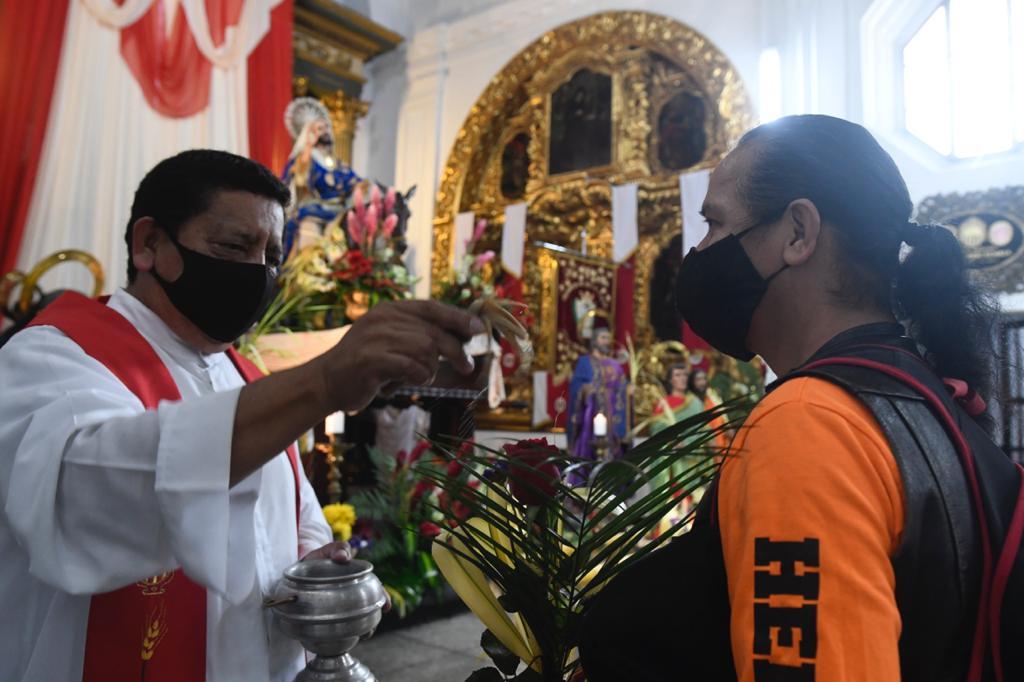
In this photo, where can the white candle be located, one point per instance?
(335, 423)
(600, 425)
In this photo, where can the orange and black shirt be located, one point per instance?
(811, 511)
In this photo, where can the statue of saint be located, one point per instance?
(679, 402)
(320, 183)
(598, 386)
(688, 395)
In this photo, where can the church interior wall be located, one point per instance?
(422, 92)
(442, 70)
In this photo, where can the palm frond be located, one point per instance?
(545, 560)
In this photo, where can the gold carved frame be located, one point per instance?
(650, 58)
(1006, 203)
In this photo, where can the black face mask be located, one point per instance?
(221, 297)
(718, 290)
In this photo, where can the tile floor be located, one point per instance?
(445, 650)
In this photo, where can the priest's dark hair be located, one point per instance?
(182, 186)
(857, 188)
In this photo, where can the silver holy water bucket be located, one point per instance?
(329, 608)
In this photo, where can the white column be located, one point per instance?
(418, 145)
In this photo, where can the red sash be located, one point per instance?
(154, 630)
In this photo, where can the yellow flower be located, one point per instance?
(342, 530)
(340, 512)
(332, 512)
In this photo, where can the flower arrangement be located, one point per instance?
(472, 278)
(401, 515)
(371, 264)
(341, 518)
(531, 548)
(493, 295)
(356, 264)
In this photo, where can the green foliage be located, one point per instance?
(398, 552)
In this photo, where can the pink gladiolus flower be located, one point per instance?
(485, 257)
(375, 200)
(371, 222)
(390, 223)
(357, 201)
(481, 225)
(389, 200)
(354, 229)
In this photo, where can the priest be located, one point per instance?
(150, 492)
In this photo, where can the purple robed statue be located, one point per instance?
(598, 385)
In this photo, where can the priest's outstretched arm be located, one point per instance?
(99, 492)
(393, 344)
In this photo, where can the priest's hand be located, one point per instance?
(394, 344)
(340, 553)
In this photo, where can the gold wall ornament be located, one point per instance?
(650, 59)
(989, 225)
(331, 44)
(345, 112)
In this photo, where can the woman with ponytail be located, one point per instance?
(864, 526)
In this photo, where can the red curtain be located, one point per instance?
(625, 285)
(31, 35)
(172, 72)
(270, 90)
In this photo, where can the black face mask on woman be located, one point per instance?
(221, 297)
(718, 290)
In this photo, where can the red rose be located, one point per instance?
(531, 477)
(429, 530)
(454, 468)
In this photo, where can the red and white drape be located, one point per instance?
(133, 82)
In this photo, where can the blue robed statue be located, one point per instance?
(320, 183)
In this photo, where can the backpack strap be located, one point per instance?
(994, 579)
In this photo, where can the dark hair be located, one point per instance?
(672, 370)
(856, 187)
(181, 187)
(691, 382)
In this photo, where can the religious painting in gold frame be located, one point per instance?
(989, 225)
(669, 86)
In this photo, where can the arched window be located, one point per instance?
(963, 78)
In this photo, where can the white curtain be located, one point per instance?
(102, 137)
(239, 40)
(116, 16)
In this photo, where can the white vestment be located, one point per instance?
(98, 493)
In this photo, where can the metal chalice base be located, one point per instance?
(329, 608)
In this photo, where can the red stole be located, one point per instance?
(154, 630)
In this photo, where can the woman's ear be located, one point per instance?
(804, 230)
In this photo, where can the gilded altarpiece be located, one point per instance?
(612, 98)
